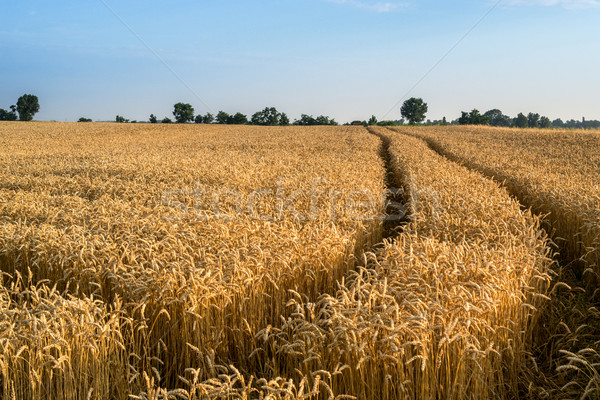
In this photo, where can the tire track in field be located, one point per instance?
(396, 213)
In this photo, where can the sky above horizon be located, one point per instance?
(348, 59)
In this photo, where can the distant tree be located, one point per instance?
(83, 119)
(464, 118)
(558, 123)
(545, 122)
(473, 118)
(120, 119)
(305, 120)
(27, 106)
(238, 119)
(590, 124)
(324, 120)
(153, 119)
(183, 112)
(521, 121)
(572, 124)
(8, 115)
(320, 120)
(414, 110)
(497, 118)
(223, 117)
(444, 121)
(208, 118)
(437, 122)
(166, 120)
(284, 120)
(479, 119)
(269, 116)
(387, 123)
(204, 119)
(372, 120)
(533, 120)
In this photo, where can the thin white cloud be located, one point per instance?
(568, 4)
(376, 6)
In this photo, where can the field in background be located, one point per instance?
(217, 262)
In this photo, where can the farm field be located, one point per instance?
(133, 253)
(556, 174)
(225, 262)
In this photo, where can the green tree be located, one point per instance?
(204, 119)
(387, 123)
(497, 118)
(153, 119)
(558, 123)
(533, 120)
(239, 119)
(305, 120)
(27, 106)
(545, 122)
(83, 119)
(8, 115)
(269, 116)
(310, 120)
(120, 119)
(166, 120)
(223, 117)
(372, 120)
(473, 118)
(521, 121)
(322, 120)
(464, 119)
(414, 110)
(183, 112)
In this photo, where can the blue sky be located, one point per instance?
(344, 58)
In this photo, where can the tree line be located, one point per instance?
(495, 117)
(414, 110)
(269, 116)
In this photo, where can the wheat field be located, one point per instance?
(237, 262)
(556, 174)
(165, 249)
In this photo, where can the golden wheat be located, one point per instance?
(446, 310)
(210, 262)
(553, 172)
(199, 232)
(556, 174)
